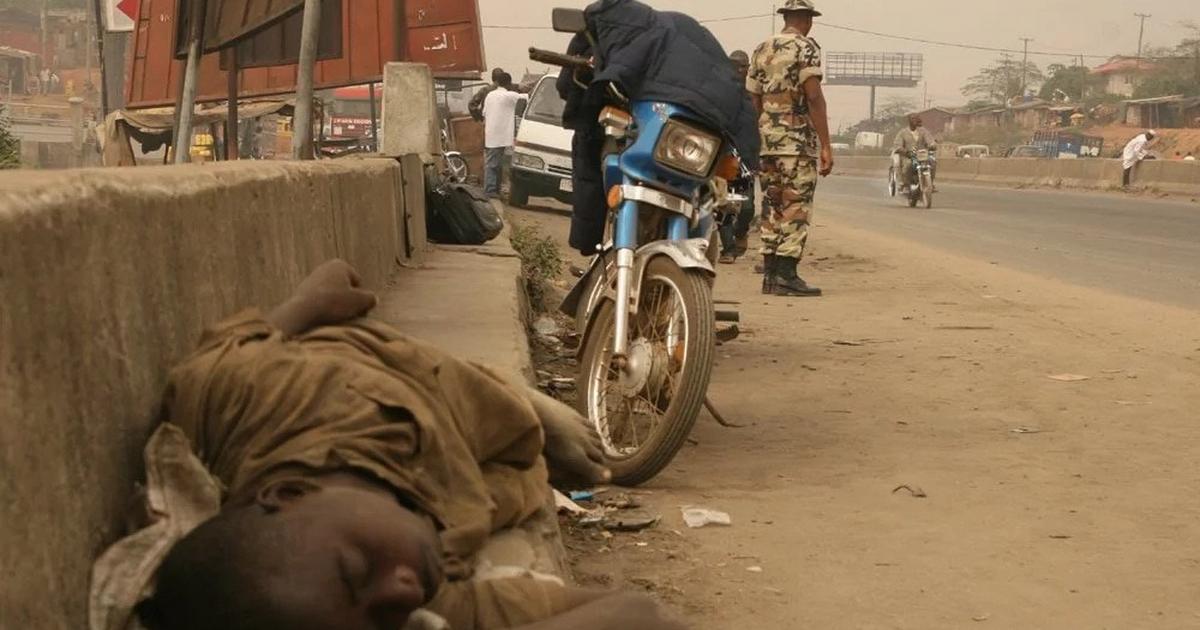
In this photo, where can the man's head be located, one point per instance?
(914, 121)
(741, 63)
(1150, 135)
(303, 557)
(496, 74)
(504, 80)
(798, 15)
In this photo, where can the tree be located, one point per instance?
(10, 147)
(895, 107)
(1176, 69)
(1076, 82)
(1002, 81)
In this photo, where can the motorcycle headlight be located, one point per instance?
(687, 149)
(531, 162)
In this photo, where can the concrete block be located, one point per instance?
(107, 278)
(410, 116)
(415, 241)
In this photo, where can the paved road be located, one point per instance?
(1146, 248)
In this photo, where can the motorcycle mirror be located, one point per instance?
(569, 20)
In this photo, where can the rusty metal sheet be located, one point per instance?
(279, 44)
(374, 32)
(445, 34)
(229, 20)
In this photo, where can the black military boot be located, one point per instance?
(769, 278)
(787, 283)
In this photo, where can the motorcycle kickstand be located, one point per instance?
(712, 409)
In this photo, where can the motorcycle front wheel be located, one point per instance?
(927, 189)
(645, 411)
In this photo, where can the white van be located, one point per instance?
(541, 162)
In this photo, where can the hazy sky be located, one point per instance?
(1093, 27)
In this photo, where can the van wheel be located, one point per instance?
(518, 195)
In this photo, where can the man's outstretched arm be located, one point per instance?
(331, 295)
(611, 611)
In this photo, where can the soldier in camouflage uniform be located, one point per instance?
(785, 84)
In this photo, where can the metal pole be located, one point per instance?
(45, 35)
(302, 129)
(1141, 35)
(374, 119)
(872, 102)
(232, 135)
(1141, 38)
(100, 31)
(76, 130)
(187, 103)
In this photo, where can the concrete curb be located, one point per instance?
(471, 302)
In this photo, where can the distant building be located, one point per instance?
(978, 118)
(1122, 73)
(937, 119)
(1164, 112)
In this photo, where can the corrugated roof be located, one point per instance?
(9, 51)
(1156, 100)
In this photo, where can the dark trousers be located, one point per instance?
(732, 231)
(590, 205)
(1127, 179)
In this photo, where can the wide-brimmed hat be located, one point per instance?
(797, 6)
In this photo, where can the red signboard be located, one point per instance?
(445, 34)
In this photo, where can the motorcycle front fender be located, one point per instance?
(687, 254)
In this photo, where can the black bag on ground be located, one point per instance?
(459, 214)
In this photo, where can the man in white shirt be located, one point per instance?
(1135, 152)
(499, 117)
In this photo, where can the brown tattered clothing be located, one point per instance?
(452, 438)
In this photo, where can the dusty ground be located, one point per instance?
(1050, 504)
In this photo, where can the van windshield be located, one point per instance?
(545, 106)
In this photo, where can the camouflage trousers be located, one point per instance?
(789, 184)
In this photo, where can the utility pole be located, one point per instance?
(1141, 35)
(1025, 68)
(45, 63)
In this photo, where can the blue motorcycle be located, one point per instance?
(645, 307)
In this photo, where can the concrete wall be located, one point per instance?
(1168, 176)
(107, 277)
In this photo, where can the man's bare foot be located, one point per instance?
(573, 451)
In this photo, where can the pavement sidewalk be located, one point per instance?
(471, 302)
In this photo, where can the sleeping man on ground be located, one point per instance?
(360, 473)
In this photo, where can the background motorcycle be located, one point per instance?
(920, 171)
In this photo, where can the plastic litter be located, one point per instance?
(697, 517)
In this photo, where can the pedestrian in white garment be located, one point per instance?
(1135, 152)
(499, 118)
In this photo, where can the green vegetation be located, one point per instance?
(541, 261)
(1177, 68)
(10, 147)
(1001, 81)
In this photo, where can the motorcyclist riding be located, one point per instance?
(914, 138)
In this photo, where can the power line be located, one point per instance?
(851, 29)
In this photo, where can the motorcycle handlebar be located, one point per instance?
(558, 59)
